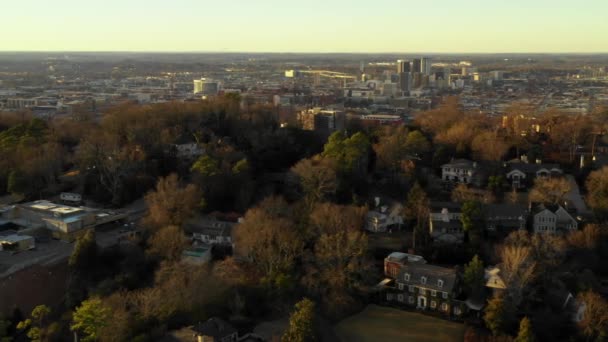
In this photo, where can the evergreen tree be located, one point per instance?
(301, 323)
(417, 209)
(494, 316)
(525, 333)
(474, 277)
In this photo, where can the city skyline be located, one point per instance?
(386, 26)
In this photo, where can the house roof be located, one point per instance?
(209, 227)
(215, 327)
(432, 273)
(451, 206)
(439, 225)
(532, 168)
(504, 210)
(400, 257)
(460, 164)
(10, 239)
(551, 207)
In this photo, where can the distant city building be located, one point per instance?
(405, 81)
(497, 75)
(425, 66)
(322, 120)
(206, 86)
(417, 65)
(403, 66)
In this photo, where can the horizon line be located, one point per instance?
(310, 52)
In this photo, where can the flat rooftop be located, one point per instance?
(51, 207)
(14, 238)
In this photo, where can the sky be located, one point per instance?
(366, 26)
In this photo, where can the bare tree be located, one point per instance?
(317, 178)
(595, 317)
(170, 203)
(519, 269)
(270, 242)
(549, 190)
(489, 146)
(597, 187)
(168, 243)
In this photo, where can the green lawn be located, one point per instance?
(377, 323)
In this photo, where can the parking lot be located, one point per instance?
(51, 251)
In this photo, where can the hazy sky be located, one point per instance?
(305, 25)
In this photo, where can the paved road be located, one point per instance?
(576, 198)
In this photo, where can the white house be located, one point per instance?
(210, 231)
(552, 219)
(459, 171)
(444, 222)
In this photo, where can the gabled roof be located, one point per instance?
(432, 273)
(553, 208)
(505, 210)
(493, 278)
(532, 168)
(460, 164)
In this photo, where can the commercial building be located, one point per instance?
(425, 65)
(417, 65)
(405, 81)
(206, 86)
(15, 242)
(64, 222)
(322, 120)
(403, 66)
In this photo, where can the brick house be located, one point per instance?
(423, 286)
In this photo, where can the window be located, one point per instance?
(422, 292)
(390, 296)
(433, 293)
(411, 299)
(401, 298)
(440, 283)
(411, 288)
(400, 286)
(423, 280)
(444, 307)
(445, 295)
(433, 304)
(406, 277)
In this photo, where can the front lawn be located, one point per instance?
(377, 323)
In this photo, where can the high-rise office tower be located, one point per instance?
(405, 81)
(403, 66)
(417, 65)
(425, 65)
